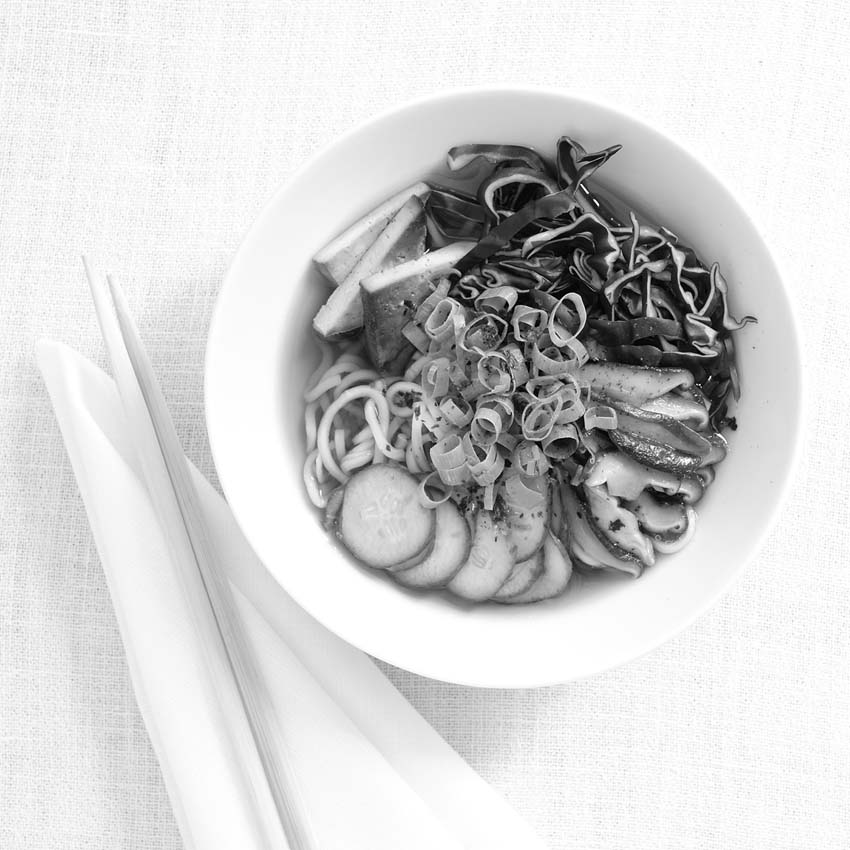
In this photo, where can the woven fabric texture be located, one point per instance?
(150, 133)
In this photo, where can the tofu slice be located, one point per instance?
(403, 239)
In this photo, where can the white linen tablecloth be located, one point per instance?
(150, 133)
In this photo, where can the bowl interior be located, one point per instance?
(261, 353)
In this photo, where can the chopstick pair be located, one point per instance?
(255, 736)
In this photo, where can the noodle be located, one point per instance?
(358, 456)
(310, 426)
(397, 424)
(311, 483)
(355, 377)
(339, 443)
(379, 431)
(323, 436)
(417, 444)
(326, 383)
(364, 434)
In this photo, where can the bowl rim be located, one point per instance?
(751, 548)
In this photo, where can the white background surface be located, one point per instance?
(150, 134)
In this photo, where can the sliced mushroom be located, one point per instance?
(661, 429)
(687, 410)
(696, 393)
(583, 542)
(670, 525)
(617, 525)
(667, 520)
(706, 475)
(667, 547)
(657, 440)
(636, 384)
(625, 478)
(654, 454)
(719, 447)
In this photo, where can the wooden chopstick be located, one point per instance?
(279, 808)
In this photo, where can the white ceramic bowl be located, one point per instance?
(261, 352)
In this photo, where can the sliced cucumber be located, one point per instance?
(452, 541)
(557, 570)
(381, 521)
(490, 560)
(336, 260)
(522, 576)
(528, 528)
